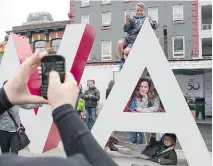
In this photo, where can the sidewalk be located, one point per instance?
(122, 160)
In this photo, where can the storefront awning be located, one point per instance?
(195, 64)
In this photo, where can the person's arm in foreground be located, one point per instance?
(74, 134)
(81, 137)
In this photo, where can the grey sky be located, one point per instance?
(15, 12)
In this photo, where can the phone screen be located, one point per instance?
(47, 67)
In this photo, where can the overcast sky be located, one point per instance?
(15, 12)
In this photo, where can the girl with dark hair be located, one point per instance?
(145, 97)
(145, 100)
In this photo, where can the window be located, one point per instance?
(106, 2)
(84, 3)
(178, 46)
(106, 19)
(106, 51)
(55, 44)
(153, 12)
(39, 45)
(130, 11)
(178, 13)
(206, 26)
(85, 18)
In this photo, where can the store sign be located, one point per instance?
(191, 84)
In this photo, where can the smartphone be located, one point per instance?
(48, 64)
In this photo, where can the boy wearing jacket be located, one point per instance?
(162, 152)
(132, 28)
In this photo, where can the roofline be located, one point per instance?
(175, 65)
(39, 28)
(41, 23)
(36, 29)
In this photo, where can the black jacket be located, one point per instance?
(79, 144)
(94, 97)
(167, 158)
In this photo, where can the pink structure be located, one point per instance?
(75, 47)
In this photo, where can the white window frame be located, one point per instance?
(177, 19)
(56, 47)
(182, 54)
(109, 22)
(106, 2)
(151, 8)
(88, 18)
(40, 47)
(102, 53)
(127, 10)
(84, 3)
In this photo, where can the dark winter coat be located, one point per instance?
(134, 25)
(154, 151)
(93, 97)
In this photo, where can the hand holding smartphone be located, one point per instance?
(48, 64)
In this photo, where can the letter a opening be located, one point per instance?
(147, 53)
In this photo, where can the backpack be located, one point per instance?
(81, 105)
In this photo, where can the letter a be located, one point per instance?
(147, 52)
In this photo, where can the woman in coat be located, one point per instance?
(9, 140)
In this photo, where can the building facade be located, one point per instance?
(43, 32)
(205, 31)
(184, 33)
(175, 26)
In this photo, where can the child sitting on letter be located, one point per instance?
(132, 27)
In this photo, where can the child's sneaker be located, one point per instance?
(121, 63)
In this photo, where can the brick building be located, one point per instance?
(184, 33)
(42, 33)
